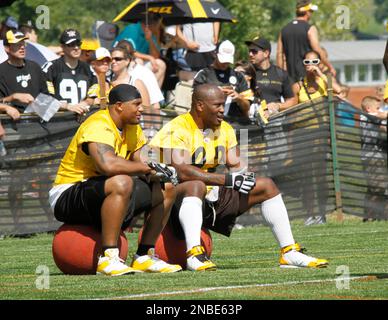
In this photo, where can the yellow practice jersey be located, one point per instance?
(77, 166)
(386, 92)
(208, 149)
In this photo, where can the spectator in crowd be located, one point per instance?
(120, 63)
(249, 72)
(297, 38)
(144, 36)
(247, 69)
(272, 83)
(30, 32)
(372, 106)
(178, 53)
(314, 84)
(139, 71)
(103, 182)
(7, 24)
(373, 156)
(100, 63)
(20, 80)
(88, 47)
(69, 79)
(200, 40)
(325, 69)
(214, 200)
(345, 110)
(231, 82)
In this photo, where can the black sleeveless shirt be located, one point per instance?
(295, 45)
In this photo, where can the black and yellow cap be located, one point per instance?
(12, 37)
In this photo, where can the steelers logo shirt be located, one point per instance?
(28, 78)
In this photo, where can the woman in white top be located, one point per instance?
(139, 71)
(120, 62)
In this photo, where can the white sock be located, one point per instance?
(275, 214)
(190, 217)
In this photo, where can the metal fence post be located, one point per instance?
(333, 139)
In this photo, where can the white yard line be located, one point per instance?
(201, 290)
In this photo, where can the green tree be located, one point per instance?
(381, 10)
(266, 18)
(255, 17)
(64, 14)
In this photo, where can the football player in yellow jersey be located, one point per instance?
(195, 144)
(102, 182)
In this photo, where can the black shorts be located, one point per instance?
(227, 209)
(81, 203)
(199, 60)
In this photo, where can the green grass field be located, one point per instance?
(247, 263)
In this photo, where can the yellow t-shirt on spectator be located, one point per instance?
(321, 92)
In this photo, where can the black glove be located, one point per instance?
(164, 172)
(242, 182)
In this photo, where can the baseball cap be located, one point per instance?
(101, 53)
(11, 23)
(90, 44)
(123, 93)
(12, 37)
(258, 42)
(69, 35)
(225, 52)
(306, 5)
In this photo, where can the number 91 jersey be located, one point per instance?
(208, 148)
(66, 84)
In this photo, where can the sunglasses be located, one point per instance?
(254, 51)
(118, 58)
(312, 62)
(74, 44)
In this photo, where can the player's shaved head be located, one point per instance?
(205, 92)
(207, 108)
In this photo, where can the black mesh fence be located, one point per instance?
(295, 149)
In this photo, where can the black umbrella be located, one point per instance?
(177, 11)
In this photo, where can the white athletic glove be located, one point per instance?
(242, 182)
(164, 172)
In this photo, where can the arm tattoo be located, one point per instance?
(102, 149)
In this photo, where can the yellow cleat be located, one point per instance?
(110, 264)
(151, 263)
(293, 257)
(197, 260)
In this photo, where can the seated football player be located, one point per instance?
(198, 142)
(103, 182)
